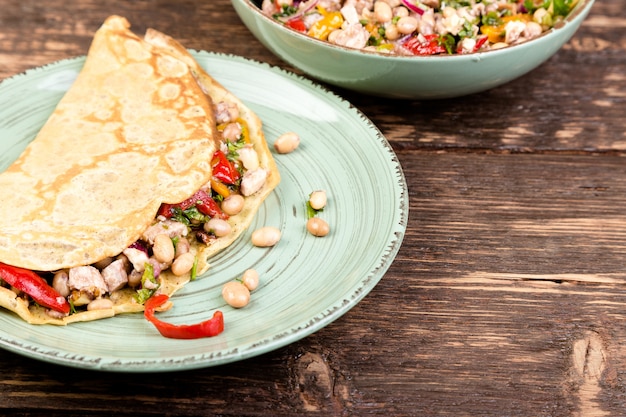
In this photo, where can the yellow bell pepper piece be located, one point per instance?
(322, 28)
(245, 132)
(496, 33)
(220, 188)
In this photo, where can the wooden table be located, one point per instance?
(508, 296)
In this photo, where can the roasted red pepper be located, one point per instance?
(223, 169)
(425, 45)
(201, 199)
(35, 286)
(479, 43)
(297, 24)
(208, 328)
(206, 205)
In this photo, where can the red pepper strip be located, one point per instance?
(206, 205)
(429, 45)
(479, 43)
(201, 199)
(207, 328)
(223, 169)
(32, 284)
(297, 24)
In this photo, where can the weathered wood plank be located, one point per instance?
(474, 318)
(508, 295)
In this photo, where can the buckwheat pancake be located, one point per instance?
(136, 130)
(133, 131)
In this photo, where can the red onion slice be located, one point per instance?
(413, 7)
(304, 8)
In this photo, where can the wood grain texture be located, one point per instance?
(508, 296)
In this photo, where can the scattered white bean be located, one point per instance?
(287, 142)
(317, 199)
(266, 236)
(183, 263)
(317, 227)
(236, 294)
(250, 279)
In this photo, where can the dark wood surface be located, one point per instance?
(508, 296)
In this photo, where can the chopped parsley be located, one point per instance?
(144, 293)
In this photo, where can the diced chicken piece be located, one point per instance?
(467, 45)
(350, 15)
(533, 29)
(226, 112)
(171, 228)
(513, 30)
(232, 132)
(353, 36)
(115, 275)
(137, 258)
(330, 5)
(252, 181)
(426, 23)
(360, 5)
(268, 7)
(248, 157)
(450, 22)
(87, 278)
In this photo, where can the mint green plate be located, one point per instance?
(306, 282)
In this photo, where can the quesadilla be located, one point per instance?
(145, 143)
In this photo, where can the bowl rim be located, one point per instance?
(580, 9)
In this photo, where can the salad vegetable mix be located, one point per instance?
(420, 27)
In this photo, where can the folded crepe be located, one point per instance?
(137, 129)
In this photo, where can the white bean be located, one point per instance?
(250, 279)
(382, 11)
(163, 248)
(401, 11)
(317, 227)
(266, 236)
(182, 246)
(233, 204)
(59, 283)
(183, 263)
(317, 199)
(287, 142)
(236, 294)
(406, 25)
(391, 32)
(218, 227)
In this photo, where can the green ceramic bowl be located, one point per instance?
(418, 77)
